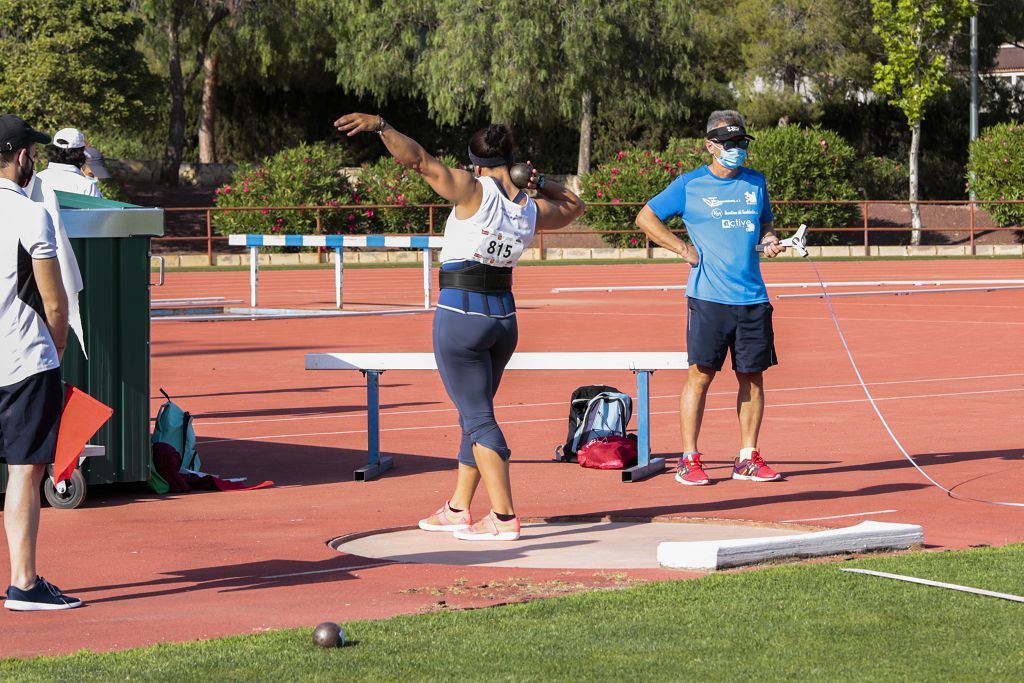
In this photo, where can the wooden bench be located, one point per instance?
(642, 363)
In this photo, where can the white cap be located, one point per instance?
(69, 138)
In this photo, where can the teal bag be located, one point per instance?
(174, 428)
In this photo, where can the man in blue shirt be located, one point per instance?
(726, 211)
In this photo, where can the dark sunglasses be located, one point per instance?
(742, 143)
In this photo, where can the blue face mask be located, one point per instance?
(732, 158)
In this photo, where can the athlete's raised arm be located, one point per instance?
(455, 185)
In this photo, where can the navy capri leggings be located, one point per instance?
(472, 352)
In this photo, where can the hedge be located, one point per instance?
(799, 164)
(297, 176)
(998, 173)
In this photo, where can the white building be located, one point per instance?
(1009, 64)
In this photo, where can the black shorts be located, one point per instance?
(29, 418)
(746, 332)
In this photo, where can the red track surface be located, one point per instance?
(947, 369)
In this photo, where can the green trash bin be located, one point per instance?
(111, 241)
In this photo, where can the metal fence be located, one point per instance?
(866, 228)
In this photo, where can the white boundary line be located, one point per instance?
(362, 413)
(901, 292)
(937, 584)
(562, 419)
(804, 285)
(681, 317)
(852, 514)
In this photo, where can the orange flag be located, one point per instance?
(82, 418)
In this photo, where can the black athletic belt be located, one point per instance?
(477, 278)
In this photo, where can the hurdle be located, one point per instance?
(338, 244)
(641, 363)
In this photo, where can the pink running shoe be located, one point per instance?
(490, 528)
(754, 469)
(690, 472)
(446, 520)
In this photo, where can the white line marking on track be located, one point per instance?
(794, 317)
(938, 584)
(362, 413)
(852, 514)
(562, 419)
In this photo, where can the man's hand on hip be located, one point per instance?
(691, 255)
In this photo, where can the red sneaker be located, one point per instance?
(689, 472)
(754, 469)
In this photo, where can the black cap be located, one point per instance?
(728, 132)
(15, 134)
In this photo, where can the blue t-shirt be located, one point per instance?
(723, 217)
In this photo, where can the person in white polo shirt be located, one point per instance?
(33, 334)
(67, 156)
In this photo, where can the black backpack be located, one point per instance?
(586, 402)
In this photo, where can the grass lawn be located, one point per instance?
(788, 622)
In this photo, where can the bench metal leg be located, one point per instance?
(646, 466)
(376, 465)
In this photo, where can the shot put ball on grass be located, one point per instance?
(328, 634)
(520, 174)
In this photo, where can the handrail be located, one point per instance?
(865, 205)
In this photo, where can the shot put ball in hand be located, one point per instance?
(521, 175)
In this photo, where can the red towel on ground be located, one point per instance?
(167, 460)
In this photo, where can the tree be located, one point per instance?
(72, 63)
(917, 38)
(556, 63)
(258, 47)
(789, 57)
(183, 29)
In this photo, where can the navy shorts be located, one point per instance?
(29, 418)
(712, 329)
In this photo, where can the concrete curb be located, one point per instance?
(866, 536)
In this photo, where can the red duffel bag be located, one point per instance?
(609, 453)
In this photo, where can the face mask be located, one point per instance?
(27, 172)
(732, 158)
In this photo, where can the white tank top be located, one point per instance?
(495, 235)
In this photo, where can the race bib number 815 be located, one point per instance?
(499, 249)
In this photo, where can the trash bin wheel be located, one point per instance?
(73, 495)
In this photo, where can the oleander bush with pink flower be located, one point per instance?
(799, 164)
(307, 175)
(812, 163)
(998, 172)
(634, 175)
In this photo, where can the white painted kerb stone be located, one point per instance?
(863, 537)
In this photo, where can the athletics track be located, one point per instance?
(947, 369)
